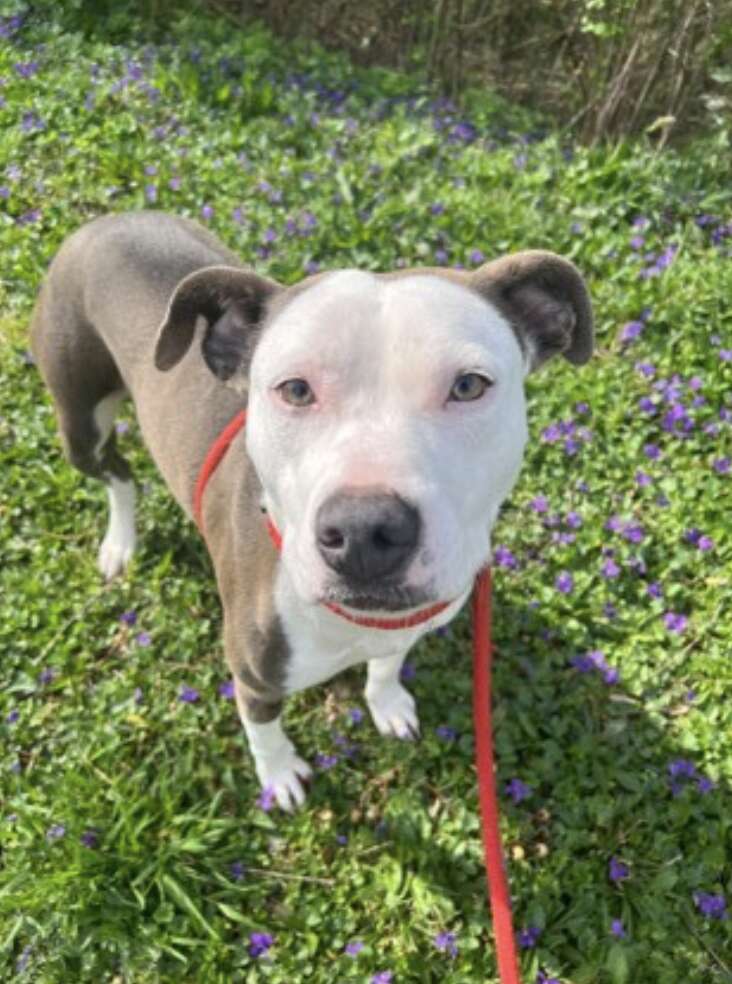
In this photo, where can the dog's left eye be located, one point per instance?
(296, 392)
(469, 386)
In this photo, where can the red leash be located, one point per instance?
(482, 715)
(500, 899)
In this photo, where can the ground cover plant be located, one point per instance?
(135, 844)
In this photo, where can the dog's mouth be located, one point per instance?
(384, 599)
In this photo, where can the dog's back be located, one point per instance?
(93, 335)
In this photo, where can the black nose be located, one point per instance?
(365, 536)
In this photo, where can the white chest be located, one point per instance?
(322, 644)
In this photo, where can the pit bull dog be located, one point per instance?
(385, 424)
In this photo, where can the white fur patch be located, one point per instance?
(277, 765)
(105, 413)
(118, 544)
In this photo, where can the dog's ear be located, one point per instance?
(232, 302)
(544, 298)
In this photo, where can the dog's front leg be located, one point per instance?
(252, 658)
(278, 766)
(392, 706)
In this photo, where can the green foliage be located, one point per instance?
(299, 161)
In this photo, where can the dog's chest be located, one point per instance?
(323, 644)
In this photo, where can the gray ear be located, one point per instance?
(545, 300)
(231, 301)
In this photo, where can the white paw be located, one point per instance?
(284, 778)
(114, 555)
(394, 711)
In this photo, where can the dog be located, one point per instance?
(385, 425)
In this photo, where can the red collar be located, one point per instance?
(211, 462)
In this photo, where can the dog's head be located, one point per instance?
(386, 416)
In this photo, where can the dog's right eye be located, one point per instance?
(296, 392)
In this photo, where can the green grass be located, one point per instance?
(387, 851)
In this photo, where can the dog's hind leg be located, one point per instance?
(89, 441)
(87, 390)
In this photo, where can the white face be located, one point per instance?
(381, 358)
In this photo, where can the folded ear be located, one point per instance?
(232, 303)
(545, 300)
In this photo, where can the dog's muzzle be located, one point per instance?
(367, 536)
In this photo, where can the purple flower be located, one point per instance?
(46, 676)
(705, 543)
(539, 504)
(143, 639)
(712, 906)
(26, 70)
(518, 790)
(541, 978)
(476, 256)
(325, 762)
(226, 689)
(207, 212)
(705, 785)
(573, 520)
(617, 929)
(634, 533)
(383, 977)
(445, 942)
(610, 569)
(237, 870)
(355, 714)
(55, 832)
(24, 958)
(408, 672)
(652, 451)
(12, 716)
(564, 582)
(259, 943)
(503, 557)
(643, 479)
(189, 695)
(675, 622)
(528, 938)
(446, 732)
(151, 193)
(90, 838)
(655, 590)
(266, 799)
(682, 769)
(722, 465)
(618, 870)
(631, 331)
(175, 183)
(353, 948)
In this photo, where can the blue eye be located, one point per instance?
(469, 386)
(296, 392)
